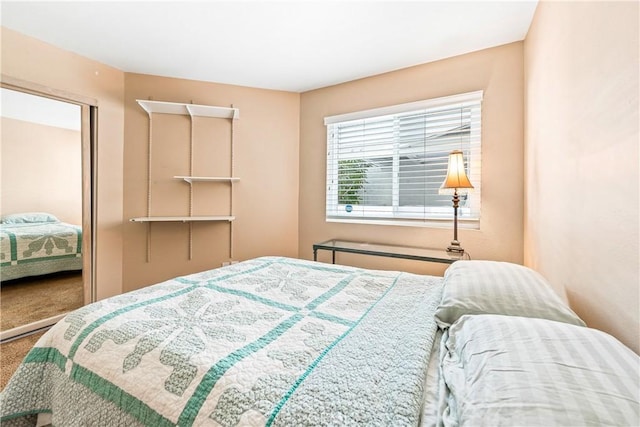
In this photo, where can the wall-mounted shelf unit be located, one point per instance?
(191, 110)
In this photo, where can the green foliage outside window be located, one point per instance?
(352, 175)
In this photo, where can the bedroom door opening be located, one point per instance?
(47, 186)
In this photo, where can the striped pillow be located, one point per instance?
(507, 370)
(492, 287)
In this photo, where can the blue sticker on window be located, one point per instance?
(348, 208)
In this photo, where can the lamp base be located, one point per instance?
(455, 248)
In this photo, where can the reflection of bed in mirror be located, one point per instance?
(36, 243)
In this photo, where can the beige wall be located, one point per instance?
(581, 218)
(497, 71)
(265, 158)
(41, 170)
(29, 59)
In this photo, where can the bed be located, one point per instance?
(279, 341)
(36, 243)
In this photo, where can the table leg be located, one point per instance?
(333, 257)
(315, 254)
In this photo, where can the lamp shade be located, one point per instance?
(456, 175)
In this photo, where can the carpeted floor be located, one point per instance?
(27, 300)
(12, 353)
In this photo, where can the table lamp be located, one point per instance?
(456, 178)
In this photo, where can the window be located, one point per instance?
(386, 165)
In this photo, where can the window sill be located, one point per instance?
(467, 224)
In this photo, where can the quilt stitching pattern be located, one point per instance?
(169, 328)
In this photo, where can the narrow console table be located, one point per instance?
(391, 251)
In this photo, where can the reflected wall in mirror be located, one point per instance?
(41, 206)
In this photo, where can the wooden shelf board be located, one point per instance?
(193, 110)
(182, 218)
(212, 111)
(191, 179)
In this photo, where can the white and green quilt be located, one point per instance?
(270, 341)
(32, 249)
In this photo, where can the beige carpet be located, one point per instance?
(12, 353)
(28, 300)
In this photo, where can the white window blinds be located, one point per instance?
(388, 164)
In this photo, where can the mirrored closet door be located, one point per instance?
(45, 203)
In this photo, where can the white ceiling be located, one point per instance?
(286, 45)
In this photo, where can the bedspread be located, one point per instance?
(270, 341)
(39, 248)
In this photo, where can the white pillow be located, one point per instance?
(509, 370)
(492, 287)
(28, 217)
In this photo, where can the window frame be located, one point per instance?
(397, 214)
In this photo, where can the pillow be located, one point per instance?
(492, 287)
(508, 370)
(28, 217)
